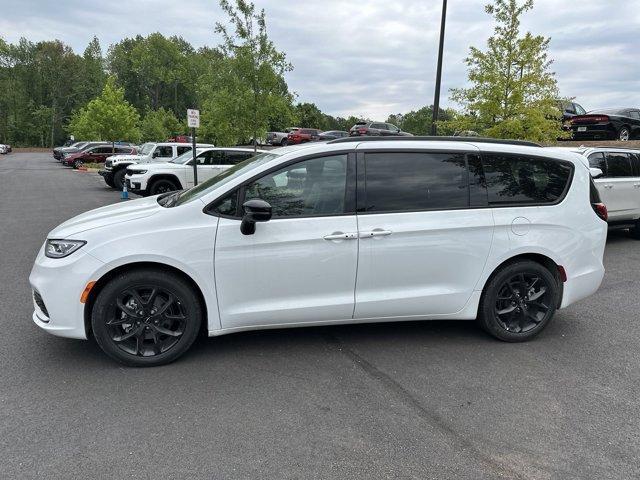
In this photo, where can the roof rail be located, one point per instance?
(585, 147)
(435, 139)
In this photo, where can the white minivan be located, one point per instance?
(349, 231)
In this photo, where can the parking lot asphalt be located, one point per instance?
(430, 400)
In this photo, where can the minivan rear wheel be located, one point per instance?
(519, 301)
(146, 317)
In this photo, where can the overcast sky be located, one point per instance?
(369, 58)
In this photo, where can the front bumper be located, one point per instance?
(136, 183)
(60, 282)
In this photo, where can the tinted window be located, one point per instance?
(227, 205)
(619, 165)
(415, 181)
(634, 114)
(596, 160)
(380, 126)
(513, 179)
(579, 109)
(163, 152)
(123, 150)
(231, 158)
(182, 150)
(391, 127)
(635, 163)
(312, 187)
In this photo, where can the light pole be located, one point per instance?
(436, 97)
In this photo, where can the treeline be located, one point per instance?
(43, 84)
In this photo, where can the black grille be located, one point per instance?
(39, 302)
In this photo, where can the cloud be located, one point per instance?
(369, 58)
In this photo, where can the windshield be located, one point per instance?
(186, 156)
(225, 176)
(146, 148)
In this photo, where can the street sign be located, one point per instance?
(193, 118)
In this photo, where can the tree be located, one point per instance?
(107, 117)
(309, 115)
(159, 125)
(256, 67)
(513, 92)
(93, 75)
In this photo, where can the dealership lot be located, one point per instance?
(410, 400)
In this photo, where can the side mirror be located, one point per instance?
(595, 172)
(255, 210)
(156, 154)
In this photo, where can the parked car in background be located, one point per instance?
(280, 138)
(96, 154)
(506, 235)
(376, 129)
(115, 166)
(618, 185)
(59, 152)
(570, 109)
(303, 135)
(333, 134)
(4, 148)
(177, 174)
(610, 123)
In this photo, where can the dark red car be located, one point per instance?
(303, 135)
(96, 154)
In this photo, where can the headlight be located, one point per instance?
(137, 172)
(62, 248)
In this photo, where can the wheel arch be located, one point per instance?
(107, 276)
(543, 260)
(164, 176)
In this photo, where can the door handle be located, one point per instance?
(376, 232)
(341, 236)
(608, 186)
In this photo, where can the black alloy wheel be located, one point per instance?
(523, 302)
(146, 318)
(519, 301)
(118, 178)
(162, 186)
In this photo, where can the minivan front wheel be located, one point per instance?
(146, 318)
(519, 301)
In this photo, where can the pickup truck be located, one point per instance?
(115, 166)
(280, 138)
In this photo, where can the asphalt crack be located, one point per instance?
(433, 419)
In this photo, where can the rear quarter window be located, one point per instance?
(518, 179)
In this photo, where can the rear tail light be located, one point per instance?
(362, 130)
(590, 119)
(601, 210)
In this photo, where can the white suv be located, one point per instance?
(115, 166)
(349, 231)
(177, 174)
(619, 184)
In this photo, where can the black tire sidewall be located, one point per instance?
(155, 183)
(486, 317)
(173, 283)
(118, 179)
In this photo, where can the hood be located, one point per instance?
(162, 166)
(106, 216)
(120, 158)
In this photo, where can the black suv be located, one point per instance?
(376, 129)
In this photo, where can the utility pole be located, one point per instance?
(436, 98)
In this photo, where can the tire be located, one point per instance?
(139, 338)
(118, 178)
(162, 185)
(624, 135)
(77, 164)
(284, 142)
(523, 316)
(108, 179)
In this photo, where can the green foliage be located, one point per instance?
(160, 124)
(107, 117)
(419, 121)
(513, 92)
(251, 84)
